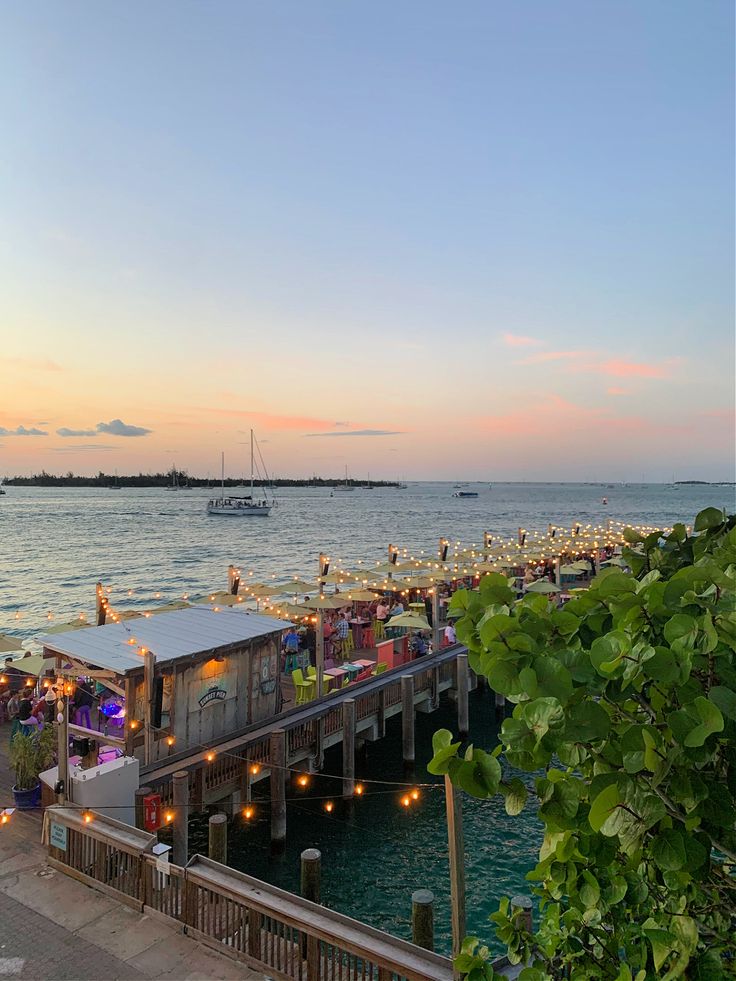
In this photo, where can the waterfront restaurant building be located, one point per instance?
(211, 672)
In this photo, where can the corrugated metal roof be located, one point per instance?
(170, 636)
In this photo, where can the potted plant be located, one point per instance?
(30, 754)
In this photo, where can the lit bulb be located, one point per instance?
(406, 800)
(329, 806)
(359, 789)
(248, 813)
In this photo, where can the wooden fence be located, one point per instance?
(274, 931)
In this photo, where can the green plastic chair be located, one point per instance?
(312, 676)
(304, 687)
(380, 667)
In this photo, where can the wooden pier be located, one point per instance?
(224, 768)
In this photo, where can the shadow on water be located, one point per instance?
(376, 856)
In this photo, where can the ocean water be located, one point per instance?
(55, 544)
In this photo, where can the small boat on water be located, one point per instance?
(240, 507)
(174, 480)
(465, 494)
(604, 500)
(116, 485)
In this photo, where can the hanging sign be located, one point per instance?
(152, 812)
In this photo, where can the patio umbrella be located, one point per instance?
(616, 560)
(421, 582)
(403, 568)
(362, 595)
(337, 578)
(410, 620)
(169, 607)
(294, 587)
(8, 643)
(542, 586)
(258, 590)
(35, 664)
(286, 611)
(62, 628)
(573, 569)
(325, 603)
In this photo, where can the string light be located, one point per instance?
(170, 740)
(248, 813)
(210, 756)
(169, 817)
(359, 789)
(87, 817)
(329, 806)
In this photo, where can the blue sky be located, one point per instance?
(286, 213)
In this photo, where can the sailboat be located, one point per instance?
(116, 485)
(240, 507)
(174, 480)
(346, 486)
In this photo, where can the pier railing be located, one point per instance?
(274, 931)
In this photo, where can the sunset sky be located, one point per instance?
(485, 240)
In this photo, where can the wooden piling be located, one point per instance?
(521, 908)
(139, 809)
(463, 710)
(278, 789)
(407, 717)
(422, 918)
(217, 850)
(311, 878)
(180, 853)
(348, 748)
(500, 705)
(149, 670)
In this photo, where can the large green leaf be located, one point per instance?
(603, 806)
(709, 518)
(668, 850)
(711, 722)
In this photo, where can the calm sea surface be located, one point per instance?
(56, 544)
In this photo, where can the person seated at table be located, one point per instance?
(328, 631)
(342, 629)
(382, 610)
(419, 646)
(397, 609)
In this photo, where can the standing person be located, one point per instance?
(82, 702)
(13, 707)
(450, 636)
(342, 629)
(382, 610)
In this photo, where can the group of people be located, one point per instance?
(28, 709)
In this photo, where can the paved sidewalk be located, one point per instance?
(53, 927)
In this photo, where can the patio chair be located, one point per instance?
(348, 644)
(379, 630)
(381, 667)
(304, 688)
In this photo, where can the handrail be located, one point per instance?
(275, 931)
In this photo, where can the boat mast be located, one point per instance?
(223, 475)
(251, 463)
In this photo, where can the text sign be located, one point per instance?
(58, 836)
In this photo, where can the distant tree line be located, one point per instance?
(180, 477)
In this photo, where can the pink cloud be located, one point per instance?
(543, 356)
(618, 368)
(615, 390)
(517, 340)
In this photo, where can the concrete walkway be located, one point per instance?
(53, 927)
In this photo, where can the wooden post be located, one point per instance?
(233, 580)
(437, 628)
(149, 669)
(311, 868)
(521, 909)
(422, 918)
(129, 714)
(320, 653)
(558, 574)
(500, 705)
(348, 748)
(139, 810)
(62, 709)
(453, 803)
(100, 605)
(463, 713)
(407, 717)
(180, 852)
(217, 849)
(278, 789)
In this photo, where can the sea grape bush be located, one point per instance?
(625, 712)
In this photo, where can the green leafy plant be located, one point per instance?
(31, 754)
(625, 712)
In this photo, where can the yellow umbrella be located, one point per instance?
(325, 603)
(421, 582)
(35, 664)
(294, 587)
(62, 628)
(168, 607)
(8, 643)
(410, 620)
(362, 595)
(337, 577)
(542, 586)
(258, 590)
(286, 611)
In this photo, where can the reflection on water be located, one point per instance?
(374, 858)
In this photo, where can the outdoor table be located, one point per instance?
(363, 663)
(357, 626)
(353, 670)
(337, 675)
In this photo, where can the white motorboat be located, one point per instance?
(240, 507)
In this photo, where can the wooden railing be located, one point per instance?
(274, 931)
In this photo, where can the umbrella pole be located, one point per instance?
(320, 649)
